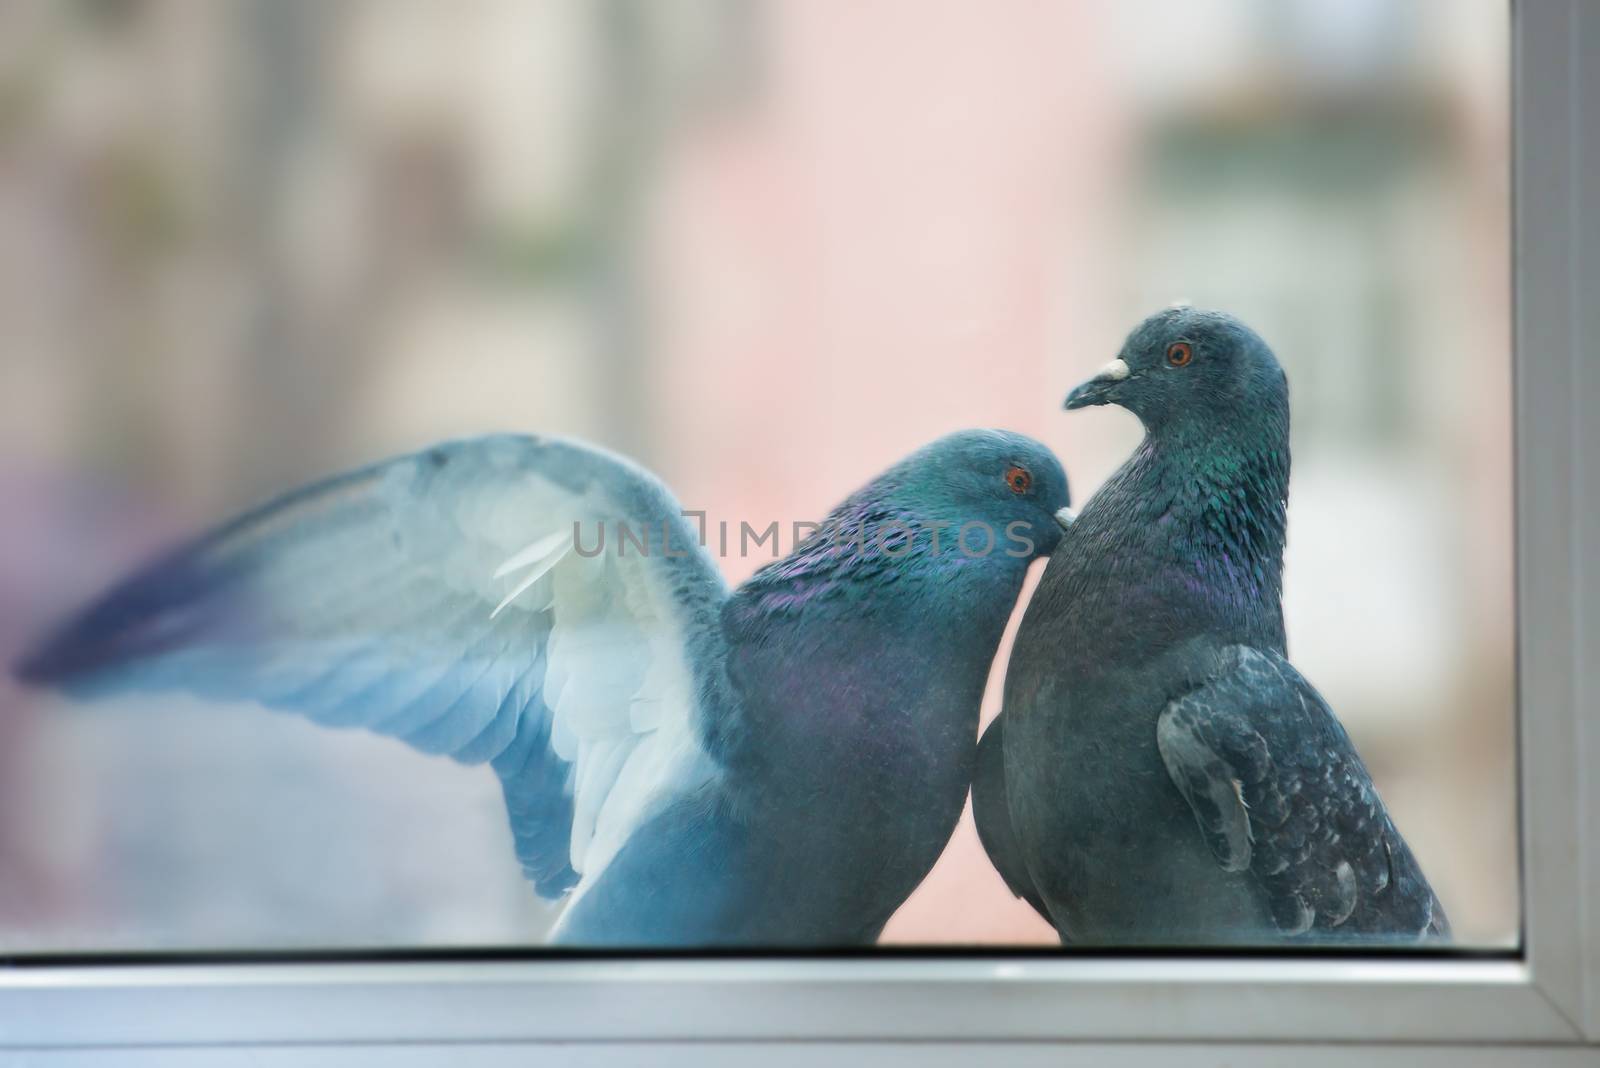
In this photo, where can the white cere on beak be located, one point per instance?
(1115, 371)
(1065, 516)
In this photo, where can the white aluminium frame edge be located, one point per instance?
(1551, 997)
(1556, 216)
(1584, 290)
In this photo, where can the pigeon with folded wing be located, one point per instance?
(1161, 774)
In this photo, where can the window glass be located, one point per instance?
(767, 250)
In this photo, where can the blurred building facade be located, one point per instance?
(766, 247)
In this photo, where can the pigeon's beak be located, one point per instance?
(1098, 390)
(1065, 516)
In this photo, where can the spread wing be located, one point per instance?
(454, 599)
(992, 814)
(1278, 790)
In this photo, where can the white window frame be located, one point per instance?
(1549, 999)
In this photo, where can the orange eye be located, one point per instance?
(1018, 479)
(1179, 353)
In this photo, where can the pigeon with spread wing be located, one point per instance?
(778, 764)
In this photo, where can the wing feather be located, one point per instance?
(435, 598)
(1277, 789)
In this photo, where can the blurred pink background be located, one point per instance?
(767, 248)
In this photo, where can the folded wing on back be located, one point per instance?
(441, 598)
(1278, 790)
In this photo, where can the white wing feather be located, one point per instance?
(438, 598)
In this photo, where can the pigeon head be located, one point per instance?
(1187, 368)
(993, 478)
